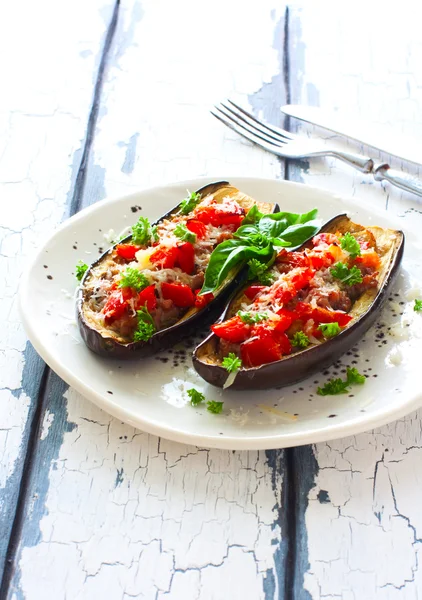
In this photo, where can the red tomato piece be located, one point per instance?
(127, 251)
(147, 298)
(226, 213)
(181, 295)
(197, 227)
(253, 290)
(186, 257)
(295, 259)
(202, 301)
(260, 351)
(233, 330)
(165, 257)
(322, 315)
(284, 323)
(116, 304)
(320, 259)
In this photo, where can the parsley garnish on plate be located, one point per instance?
(338, 386)
(182, 232)
(81, 269)
(350, 245)
(215, 407)
(146, 326)
(231, 362)
(346, 275)
(134, 279)
(329, 330)
(300, 340)
(417, 306)
(195, 396)
(251, 318)
(188, 204)
(142, 232)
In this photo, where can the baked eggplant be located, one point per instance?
(140, 296)
(321, 301)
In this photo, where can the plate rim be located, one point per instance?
(333, 431)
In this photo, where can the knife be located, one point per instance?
(367, 133)
(405, 148)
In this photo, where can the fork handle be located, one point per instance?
(398, 178)
(358, 161)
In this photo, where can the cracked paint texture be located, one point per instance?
(364, 540)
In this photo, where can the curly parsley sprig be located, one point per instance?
(350, 245)
(417, 307)
(134, 279)
(81, 269)
(183, 233)
(146, 326)
(231, 362)
(345, 275)
(329, 330)
(188, 204)
(338, 386)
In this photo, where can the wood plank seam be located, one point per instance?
(42, 398)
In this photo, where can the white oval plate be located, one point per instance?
(151, 394)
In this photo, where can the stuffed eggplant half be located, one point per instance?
(141, 296)
(316, 303)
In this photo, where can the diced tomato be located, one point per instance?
(147, 298)
(233, 330)
(260, 351)
(186, 257)
(116, 304)
(181, 295)
(165, 258)
(370, 260)
(297, 282)
(325, 238)
(226, 213)
(127, 251)
(286, 319)
(197, 227)
(202, 301)
(253, 290)
(320, 259)
(294, 259)
(322, 315)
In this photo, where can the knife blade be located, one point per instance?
(380, 137)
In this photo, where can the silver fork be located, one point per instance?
(288, 145)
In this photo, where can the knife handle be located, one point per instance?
(398, 178)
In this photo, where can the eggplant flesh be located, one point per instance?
(106, 343)
(295, 367)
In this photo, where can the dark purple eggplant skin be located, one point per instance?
(301, 365)
(111, 348)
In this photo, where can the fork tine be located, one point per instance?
(252, 125)
(271, 146)
(271, 128)
(243, 127)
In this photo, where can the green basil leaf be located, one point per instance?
(298, 234)
(253, 215)
(271, 228)
(220, 261)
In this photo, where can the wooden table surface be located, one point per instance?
(103, 98)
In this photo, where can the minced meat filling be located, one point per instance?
(161, 276)
(309, 301)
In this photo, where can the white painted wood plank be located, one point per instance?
(123, 514)
(49, 58)
(363, 518)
